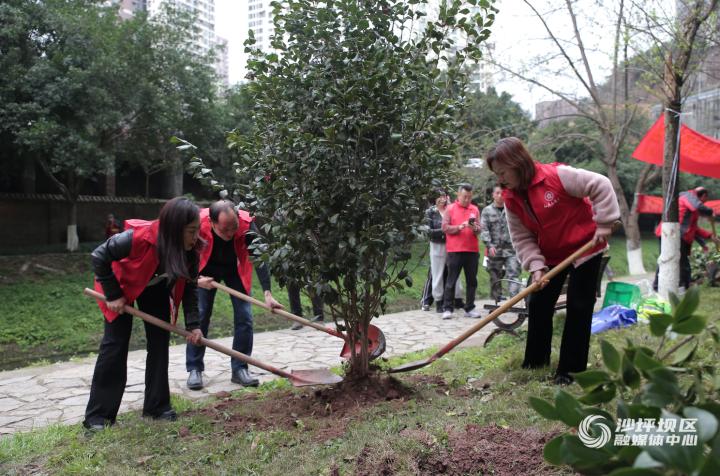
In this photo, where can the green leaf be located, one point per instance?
(601, 394)
(635, 472)
(684, 352)
(544, 408)
(630, 375)
(688, 305)
(644, 362)
(553, 453)
(707, 424)
(659, 324)
(610, 356)
(568, 408)
(693, 324)
(590, 379)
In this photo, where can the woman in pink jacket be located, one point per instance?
(552, 210)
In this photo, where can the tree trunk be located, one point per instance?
(147, 185)
(72, 236)
(174, 186)
(359, 362)
(110, 180)
(669, 260)
(28, 176)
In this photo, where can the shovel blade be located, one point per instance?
(376, 344)
(303, 378)
(411, 366)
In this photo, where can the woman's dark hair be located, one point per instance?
(174, 260)
(512, 152)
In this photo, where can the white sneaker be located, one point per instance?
(473, 314)
(447, 315)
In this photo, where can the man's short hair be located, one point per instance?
(220, 206)
(701, 191)
(465, 186)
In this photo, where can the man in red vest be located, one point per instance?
(461, 224)
(228, 233)
(691, 207)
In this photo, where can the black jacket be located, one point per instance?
(433, 220)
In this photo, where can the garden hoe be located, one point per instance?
(375, 337)
(299, 378)
(497, 312)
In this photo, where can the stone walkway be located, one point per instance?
(34, 397)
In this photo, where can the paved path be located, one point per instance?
(34, 397)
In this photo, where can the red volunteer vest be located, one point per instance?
(244, 266)
(685, 206)
(465, 240)
(135, 271)
(562, 223)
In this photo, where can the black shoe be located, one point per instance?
(167, 415)
(243, 377)
(439, 307)
(318, 319)
(296, 326)
(563, 379)
(195, 381)
(425, 307)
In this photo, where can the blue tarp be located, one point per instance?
(613, 317)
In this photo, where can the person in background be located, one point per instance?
(112, 226)
(228, 233)
(501, 258)
(461, 224)
(437, 274)
(296, 306)
(691, 208)
(553, 210)
(156, 264)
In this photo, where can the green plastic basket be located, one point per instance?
(624, 294)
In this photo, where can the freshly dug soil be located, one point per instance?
(472, 450)
(327, 411)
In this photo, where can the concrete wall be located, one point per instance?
(37, 220)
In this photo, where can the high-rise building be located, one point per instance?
(260, 21)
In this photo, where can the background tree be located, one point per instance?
(674, 53)
(353, 126)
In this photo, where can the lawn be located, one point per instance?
(466, 413)
(45, 317)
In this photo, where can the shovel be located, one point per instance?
(497, 312)
(299, 378)
(375, 337)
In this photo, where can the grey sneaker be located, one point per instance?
(425, 307)
(194, 381)
(447, 315)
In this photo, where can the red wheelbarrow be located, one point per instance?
(375, 337)
(298, 378)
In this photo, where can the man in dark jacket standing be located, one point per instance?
(228, 233)
(435, 286)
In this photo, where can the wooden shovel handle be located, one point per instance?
(280, 312)
(203, 341)
(512, 301)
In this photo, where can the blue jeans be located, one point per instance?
(242, 320)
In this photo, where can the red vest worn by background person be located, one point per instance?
(135, 271)
(465, 240)
(244, 267)
(562, 223)
(688, 223)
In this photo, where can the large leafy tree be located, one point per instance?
(354, 122)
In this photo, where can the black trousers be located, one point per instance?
(685, 269)
(296, 305)
(575, 342)
(108, 383)
(456, 262)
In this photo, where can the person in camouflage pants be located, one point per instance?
(500, 252)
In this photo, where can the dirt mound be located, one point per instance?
(473, 450)
(327, 411)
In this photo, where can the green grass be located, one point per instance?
(137, 446)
